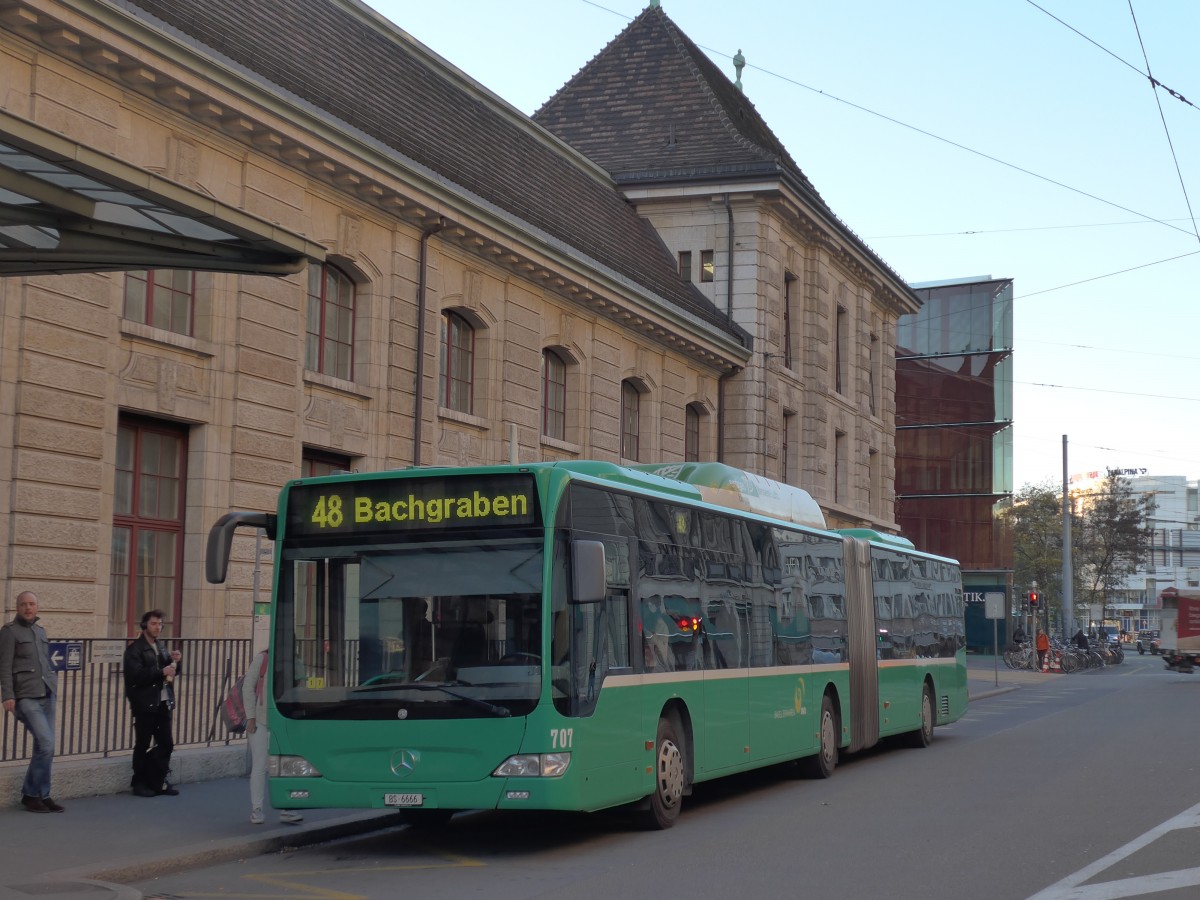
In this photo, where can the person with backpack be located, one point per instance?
(254, 684)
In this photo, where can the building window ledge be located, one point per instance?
(453, 415)
(334, 384)
(187, 343)
(564, 446)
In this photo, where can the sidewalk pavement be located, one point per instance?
(100, 844)
(988, 676)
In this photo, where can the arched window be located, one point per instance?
(554, 396)
(631, 410)
(691, 433)
(162, 298)
(457, 368)
(329, 343)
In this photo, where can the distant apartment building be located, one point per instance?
(1174, 560)
(954, 421)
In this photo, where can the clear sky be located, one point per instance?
(963, 138)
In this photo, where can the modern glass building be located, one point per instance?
(954, 434)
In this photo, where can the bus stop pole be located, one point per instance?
(996, 651)
(993, 608)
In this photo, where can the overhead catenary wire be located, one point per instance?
(972, 231)
(923, 131)
(963, 147)
(1163, 118)
(1164, 221)
(1154, 81)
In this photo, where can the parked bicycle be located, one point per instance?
(1066, 657)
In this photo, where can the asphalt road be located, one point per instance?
(1072, 787)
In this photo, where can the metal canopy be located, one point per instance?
(65, 208)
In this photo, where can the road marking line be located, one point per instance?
(1073, 888)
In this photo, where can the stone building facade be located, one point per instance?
(469, 286)
(815, 404)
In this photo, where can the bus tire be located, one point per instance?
(923, 736)
(670, 773)
(826, 759)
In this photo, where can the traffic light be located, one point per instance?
(1034, 597)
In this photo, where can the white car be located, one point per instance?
(1147, 641)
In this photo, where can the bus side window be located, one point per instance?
(599, 644)
(656, 635)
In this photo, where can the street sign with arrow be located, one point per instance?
(66, 655)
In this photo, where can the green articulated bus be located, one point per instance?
(583, 635)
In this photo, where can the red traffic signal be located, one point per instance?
(1034, 597)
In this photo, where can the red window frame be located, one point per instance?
(691, 434)
(789, 282)
(329, 338)
(457, 363)
(631, 408)
(149, 508)
(554, 396)
(162, 298)
(318, 462)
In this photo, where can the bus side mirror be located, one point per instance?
(588, 581)
(220, 540)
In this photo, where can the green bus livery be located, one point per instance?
(583, 635)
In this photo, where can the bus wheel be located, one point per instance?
(668, 777)
(923, 736)
(823, 764)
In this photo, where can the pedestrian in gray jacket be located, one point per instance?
(29, 690)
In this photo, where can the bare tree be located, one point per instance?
(1110, 538)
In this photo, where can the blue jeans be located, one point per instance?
(38, 717)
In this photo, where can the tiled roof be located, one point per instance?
(384, 85)
(652, 103)
(651, 107)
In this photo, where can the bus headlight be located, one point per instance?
(534, 765)
(291, 767)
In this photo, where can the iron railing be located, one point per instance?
(93, 715)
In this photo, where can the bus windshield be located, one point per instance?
(441, 630)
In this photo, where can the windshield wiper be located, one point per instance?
(501, 712)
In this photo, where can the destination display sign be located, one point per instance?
(376, 505)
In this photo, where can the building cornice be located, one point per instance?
(813, 226)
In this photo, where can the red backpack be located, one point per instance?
(233, 708)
